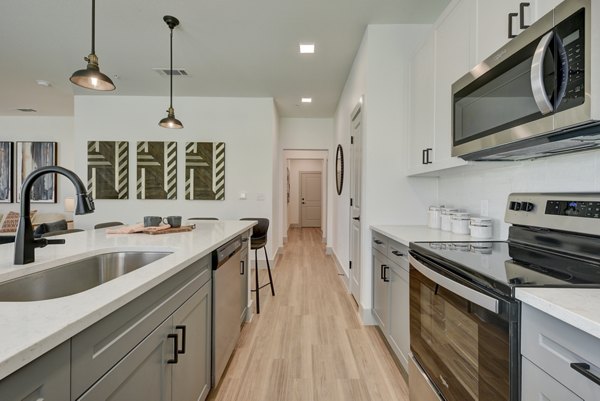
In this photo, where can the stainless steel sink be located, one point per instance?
(75, 277)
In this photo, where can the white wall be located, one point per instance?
(576, 172)
(306, 133)
(44, 129)
(380, 73)
(246, 125)
(297, 166)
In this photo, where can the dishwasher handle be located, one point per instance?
(225, 252)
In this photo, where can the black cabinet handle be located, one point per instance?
(510, 25)
(522, 15)
(423, 156)
(242, 267)
(584, 369)
(427, 156)
(175, 349)
(182, 328)
(381, 272)
(377, 242)
(397, 253)
(385, 268)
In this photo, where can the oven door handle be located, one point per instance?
(462, 291)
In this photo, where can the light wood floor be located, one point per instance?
(307, 344)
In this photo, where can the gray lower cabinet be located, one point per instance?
(46, 378)
(559, 361)
(244, 274)
(391, 294)
(164, 367)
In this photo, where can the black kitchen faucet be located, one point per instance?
(25, 243)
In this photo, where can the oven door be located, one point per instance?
(460, 336)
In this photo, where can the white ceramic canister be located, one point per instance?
(481, 227)
(460, 223)
(434, 217)
(446, 218)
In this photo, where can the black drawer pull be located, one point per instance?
(381, 272)
(397, 253)
(385, 268)
(182, 328)
(584, 369)
(242, 267)
(377, 242)
(175, 349)
(510, 25)
(522, 15)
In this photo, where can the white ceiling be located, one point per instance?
(239, 48)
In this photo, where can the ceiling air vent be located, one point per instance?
(177, 72)
(28, 110)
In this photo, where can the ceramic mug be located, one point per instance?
(152, 221)
(173, 221)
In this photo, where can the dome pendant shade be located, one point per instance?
(170, 121)
(91, 77)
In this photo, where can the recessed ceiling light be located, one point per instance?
(307, 100)
(43, 82)
(307, 48)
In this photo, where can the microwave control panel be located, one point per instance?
(571, 32)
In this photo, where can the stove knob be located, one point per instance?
(526, 206)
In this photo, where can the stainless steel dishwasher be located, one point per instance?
(227, 301)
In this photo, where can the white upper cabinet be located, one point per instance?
(422, 93)
(493, 18)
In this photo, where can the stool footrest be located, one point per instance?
(261, 287)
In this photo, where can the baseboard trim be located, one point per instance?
(341, 273)
(366, 316)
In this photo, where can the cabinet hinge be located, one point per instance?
(350, 264)
(351, 202)
(351, 140)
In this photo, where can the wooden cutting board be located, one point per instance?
(172, 230)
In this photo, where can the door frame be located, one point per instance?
(355, 256)
(300, 196)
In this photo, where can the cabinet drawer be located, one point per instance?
(553, 345)
(538, 385)
(101, 346)
(398, 254)
(379, 242)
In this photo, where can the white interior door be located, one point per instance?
(310, 199)
(355, 202)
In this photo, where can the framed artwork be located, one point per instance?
(6, 172)
(205, 171)
(30, 157)
(156, 170)
(108, 169)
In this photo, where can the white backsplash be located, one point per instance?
(577, 172)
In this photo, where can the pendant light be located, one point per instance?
(170, 121)
(91, 77)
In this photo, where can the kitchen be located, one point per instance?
(396, 187)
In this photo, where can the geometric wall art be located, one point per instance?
(205, 171)
(6, 172)
(31, 156)
(156, 170)
(108, 169)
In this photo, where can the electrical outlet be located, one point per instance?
(485, 208)
(243, 196)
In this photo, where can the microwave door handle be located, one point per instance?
(537, 75)
(462, 291)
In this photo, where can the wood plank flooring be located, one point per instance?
(307, 344)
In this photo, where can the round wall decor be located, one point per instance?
(339, 169)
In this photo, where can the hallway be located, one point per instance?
(308, 344)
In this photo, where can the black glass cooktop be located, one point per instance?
(502, 266)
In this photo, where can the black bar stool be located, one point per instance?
(257, 241)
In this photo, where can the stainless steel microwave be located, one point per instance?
(538, 95)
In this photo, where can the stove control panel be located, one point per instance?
(573, 208)
(569, 211)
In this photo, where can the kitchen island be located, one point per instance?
(30, 329)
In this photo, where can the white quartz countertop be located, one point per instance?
(407, 234)
(30, 329)
(579, 307)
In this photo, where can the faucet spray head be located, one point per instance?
(85, 204)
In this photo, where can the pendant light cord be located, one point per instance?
(93, 26)
(171, 101)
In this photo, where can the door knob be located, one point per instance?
(356, 218)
